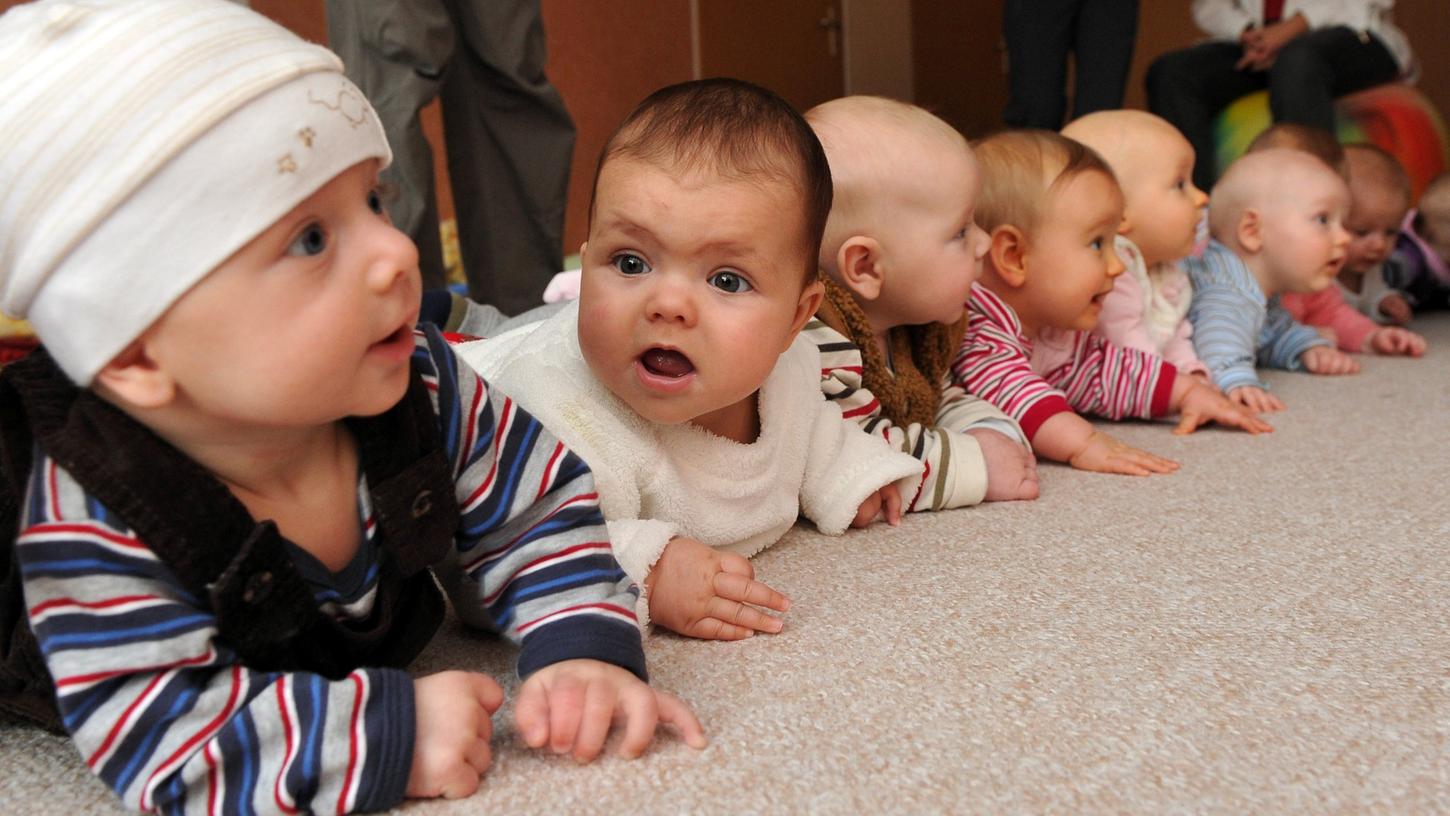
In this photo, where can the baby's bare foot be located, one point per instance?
(1011, 468)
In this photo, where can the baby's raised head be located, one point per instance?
(700, 268)
(1317, 142)
(1282, 211)
(1379, 192)
(1154, 167)
(901, 234)
(1432, 217)
(205, 219)
(1051, 207)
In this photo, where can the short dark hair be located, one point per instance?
(738, 129)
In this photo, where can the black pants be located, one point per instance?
(1039, 34)
(1190, 87)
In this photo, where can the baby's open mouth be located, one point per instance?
(666, 362)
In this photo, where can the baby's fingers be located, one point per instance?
(716, 629)
(531, 714)
(892, 499)
(599, 704)
(739, 614)
(640, 710)
(674, 711)
(1189, 422)
(868, 511)
(735, 587)
(1146, 462)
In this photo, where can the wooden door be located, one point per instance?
(792, 47)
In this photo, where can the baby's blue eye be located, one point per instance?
(961, 233)
(311, 241)
(730, 282)
(1097, 244)
(629, 264)
(1322, 219)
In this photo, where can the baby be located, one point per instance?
(1379, 198)
(1276, 218)
(236, 460)
(901, 252)
(1051, 208)
(1420, 266)
(679, 374)
(1148, 307)
(1312, 140)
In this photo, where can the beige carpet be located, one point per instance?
(1266, 631)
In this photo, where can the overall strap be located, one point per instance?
(27, 691)
(241, 568)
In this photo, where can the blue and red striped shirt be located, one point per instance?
(166, 714)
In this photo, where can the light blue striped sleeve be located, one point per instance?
(1284, 339)
(1223, 319)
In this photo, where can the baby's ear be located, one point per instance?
(859, 264)
(806, 307)
(136, 379)
(1250, 230)
(1008, 255)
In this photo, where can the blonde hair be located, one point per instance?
(1021, 169)
(866, 139)
(1317, 142)
(1373, 165)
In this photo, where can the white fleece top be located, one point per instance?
(660, 481)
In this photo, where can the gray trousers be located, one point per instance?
(509, 137)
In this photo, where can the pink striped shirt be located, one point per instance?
(1062, 371)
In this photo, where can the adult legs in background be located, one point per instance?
(1190, 86)
(396, 52)
(1102, 54)
(510, 145)
(1321, 65)
(1038, 35)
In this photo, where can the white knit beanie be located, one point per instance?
(142, 143)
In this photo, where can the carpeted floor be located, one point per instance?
(1267, 630)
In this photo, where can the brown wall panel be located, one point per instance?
(604, 58)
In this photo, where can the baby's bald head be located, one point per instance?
(1264, 181)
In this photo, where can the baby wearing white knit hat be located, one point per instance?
(189, 218)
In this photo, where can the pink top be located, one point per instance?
(1148, 310)
(1327, 308)
(1061, 371)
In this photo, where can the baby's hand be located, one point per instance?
(1395, 340)
(1328, 361)
(1396, 309)
(884, 503)
(1201, 404)
(569, 706)
(1011, 468)
(1104, 454)
(450, 744)
(701, 592)
(1256, 399)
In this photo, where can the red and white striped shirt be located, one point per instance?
(1061, 371)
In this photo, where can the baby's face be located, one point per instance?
(1162, 207)
(931, 245)
(1070, 258)
(1435, 225)
(1304, 240)
(692, 287)
(309, 322)
(1374, 222)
